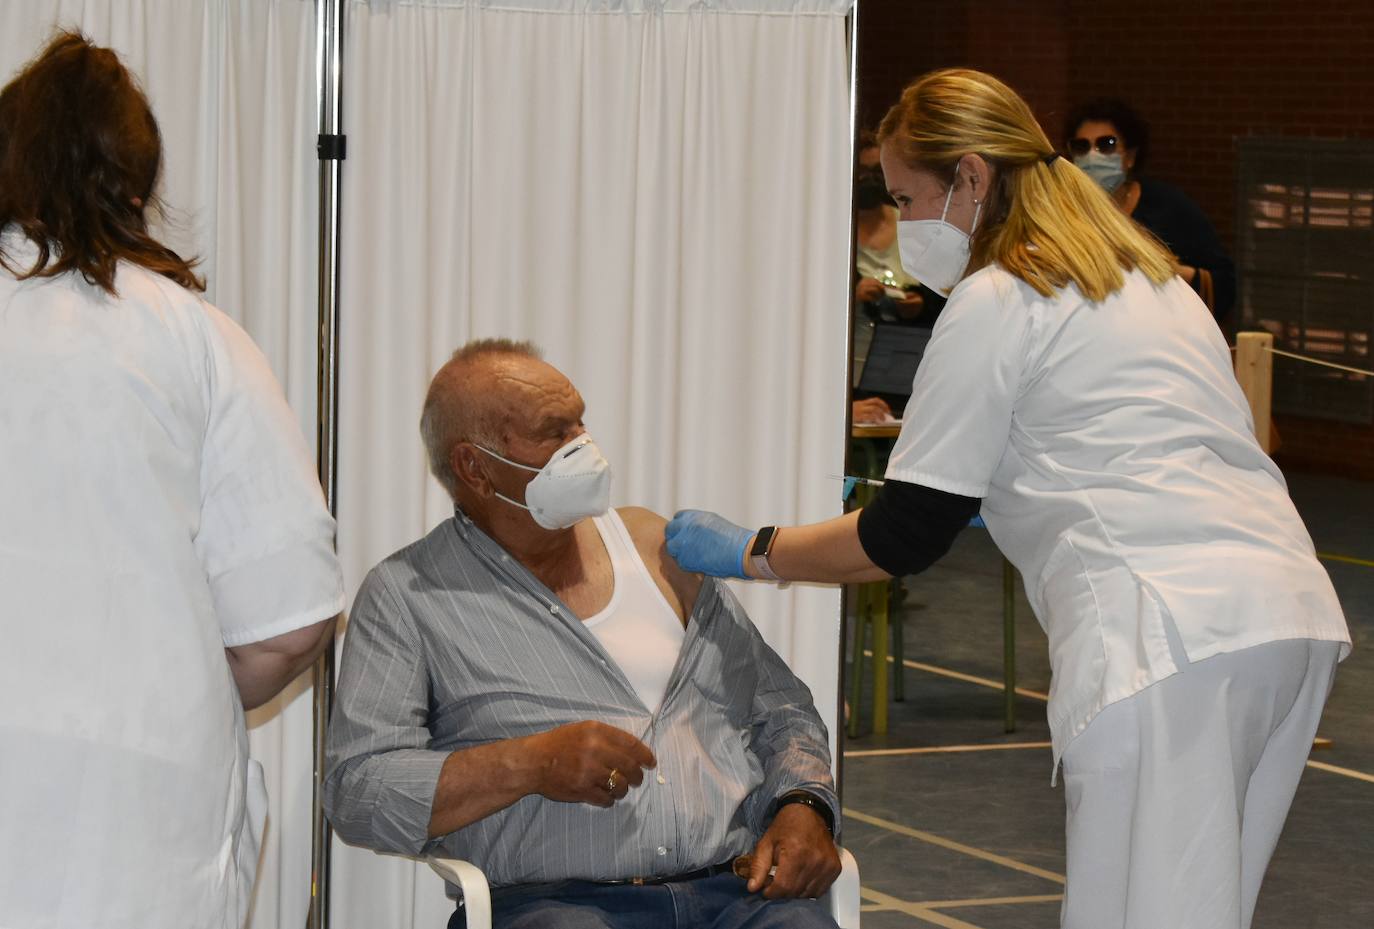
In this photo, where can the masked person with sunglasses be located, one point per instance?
(1111, 143)
(1077, 393)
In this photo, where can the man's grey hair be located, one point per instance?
(452, 414)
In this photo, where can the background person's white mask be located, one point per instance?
(575, 483)
(934, 251)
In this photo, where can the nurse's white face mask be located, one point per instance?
(573, 484)
(935, 251)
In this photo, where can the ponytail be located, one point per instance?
(1046, 222)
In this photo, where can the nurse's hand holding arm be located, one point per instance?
(827, 552)
(906, 528)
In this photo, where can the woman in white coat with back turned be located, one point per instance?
(166, 557)
(1078, 393)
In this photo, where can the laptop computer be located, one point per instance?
(893, 356)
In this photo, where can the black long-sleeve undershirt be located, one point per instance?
(908, 527)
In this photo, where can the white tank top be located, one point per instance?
(638, 629)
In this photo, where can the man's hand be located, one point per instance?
(801, 848)
(576, 762)
(868, 290)
(871, 410)
(910, 306)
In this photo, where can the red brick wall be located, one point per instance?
(1202, 72)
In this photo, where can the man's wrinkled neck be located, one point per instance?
(538, 549)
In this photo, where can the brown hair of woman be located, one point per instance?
(80, 153)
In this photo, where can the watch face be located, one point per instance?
(763, 541)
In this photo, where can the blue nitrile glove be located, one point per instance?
(705, 543)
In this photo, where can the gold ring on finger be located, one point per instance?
(610, 781)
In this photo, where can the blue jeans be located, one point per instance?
(719, 902)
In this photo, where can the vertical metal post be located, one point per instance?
(1008, 645)
(329, 22)
(848, 592)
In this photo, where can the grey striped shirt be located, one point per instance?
(452, 643)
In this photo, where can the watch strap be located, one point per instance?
(806, 798)
(758, 553)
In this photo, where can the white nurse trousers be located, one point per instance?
(1176, 796)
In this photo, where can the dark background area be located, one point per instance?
(1202, 73)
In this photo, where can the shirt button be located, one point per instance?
(662, 851)
(662, 779)
(553, 610)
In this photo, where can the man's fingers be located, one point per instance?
(763, 862)
(822, 873)
(639, 753)
(786, 880)
(626, 765)
(644, 755)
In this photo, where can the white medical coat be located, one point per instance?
(157, 503)
(1115, 456)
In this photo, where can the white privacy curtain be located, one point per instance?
(232, 83)
(657, 194)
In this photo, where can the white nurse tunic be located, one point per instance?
(157, 504)
(1115, 456)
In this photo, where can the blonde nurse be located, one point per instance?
(1077, 393)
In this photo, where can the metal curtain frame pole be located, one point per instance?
(847, 591)
(330, 148)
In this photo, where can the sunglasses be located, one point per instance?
(1105, 144)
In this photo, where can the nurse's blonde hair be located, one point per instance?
(1043, 219)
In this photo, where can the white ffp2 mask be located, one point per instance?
(934, 251)
(575, 483)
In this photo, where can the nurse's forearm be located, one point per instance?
(823, 553)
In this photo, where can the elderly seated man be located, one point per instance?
(536, 687)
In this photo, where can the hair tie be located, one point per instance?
(1050, 158)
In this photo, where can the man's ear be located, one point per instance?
(470, 471)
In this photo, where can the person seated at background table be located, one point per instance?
(1110, 141)
(884, 292)
(538, 688)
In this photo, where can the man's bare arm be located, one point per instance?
(646, 529)
(262, 669)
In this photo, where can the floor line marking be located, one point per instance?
(1346, 559)
(916, 910)
(997, 685)
(961, 676)
(973, 851)
(989, 901)
(943, 749)
(1347, 772)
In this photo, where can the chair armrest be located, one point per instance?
(842, 899)
(473, 883)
